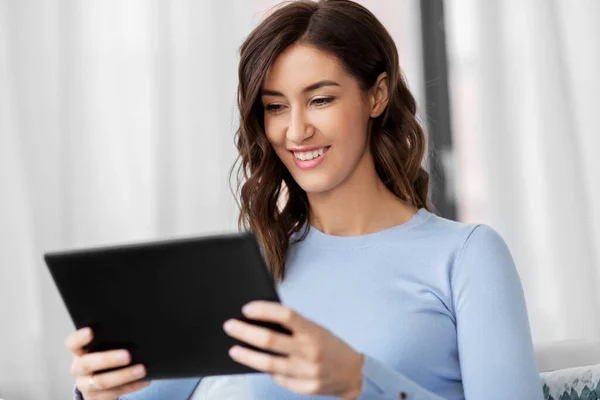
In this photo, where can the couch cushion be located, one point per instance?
(571, 353)
(580, 383)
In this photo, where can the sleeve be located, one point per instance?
(381, 382)
(179, 388)
(495, 348)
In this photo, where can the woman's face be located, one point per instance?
(316, 117)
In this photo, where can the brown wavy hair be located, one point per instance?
(272, 204)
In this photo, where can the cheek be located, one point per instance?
(276, 137)
(345, 126)
(275, 133)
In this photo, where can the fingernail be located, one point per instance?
(123, 356)
(139, 371)
(233, 351)
(228, 325)
(86, 332)
(248, 308)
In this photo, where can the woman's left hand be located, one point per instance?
(314, 361)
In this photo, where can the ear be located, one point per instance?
(380, 95)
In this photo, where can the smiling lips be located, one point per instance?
(310, 158)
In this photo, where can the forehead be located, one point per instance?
(301, 65)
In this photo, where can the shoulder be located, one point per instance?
(484, 261)
(445, 235)
(459, 236)
(463, 246)
(483, 244)
(483, 239)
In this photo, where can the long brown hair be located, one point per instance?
(353, 34)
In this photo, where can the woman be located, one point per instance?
(385, 300)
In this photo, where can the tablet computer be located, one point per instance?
(166, 301)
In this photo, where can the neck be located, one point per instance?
(360, 205)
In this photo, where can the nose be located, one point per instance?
(299, 128)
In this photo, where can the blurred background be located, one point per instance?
(117, 120)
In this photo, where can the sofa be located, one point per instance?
(569, 369)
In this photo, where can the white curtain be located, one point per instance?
(525, 81)
(116, 124)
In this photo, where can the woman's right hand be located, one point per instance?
(108, 385)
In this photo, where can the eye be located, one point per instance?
(274, 108)
(322, 101)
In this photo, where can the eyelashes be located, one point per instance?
(273, 108)
(319, 102)
(322, 101)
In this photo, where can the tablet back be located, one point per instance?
(166, 301)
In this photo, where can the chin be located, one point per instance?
(315, 184)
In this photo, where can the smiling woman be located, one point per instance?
(383, 299)
(321, 86)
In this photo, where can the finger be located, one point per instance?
(298, 385)
(288, 366)
(262, 361)
(92, 362)
(111, 380)
(260, 337)
(299, 368)
(270, 311)
(76, 340)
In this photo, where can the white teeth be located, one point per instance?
(309, 155)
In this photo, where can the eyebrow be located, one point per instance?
(310, 88)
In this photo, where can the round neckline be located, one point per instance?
(319, 238)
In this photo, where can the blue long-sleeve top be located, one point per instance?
(436, 307)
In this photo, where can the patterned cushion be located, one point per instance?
(581, 383)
